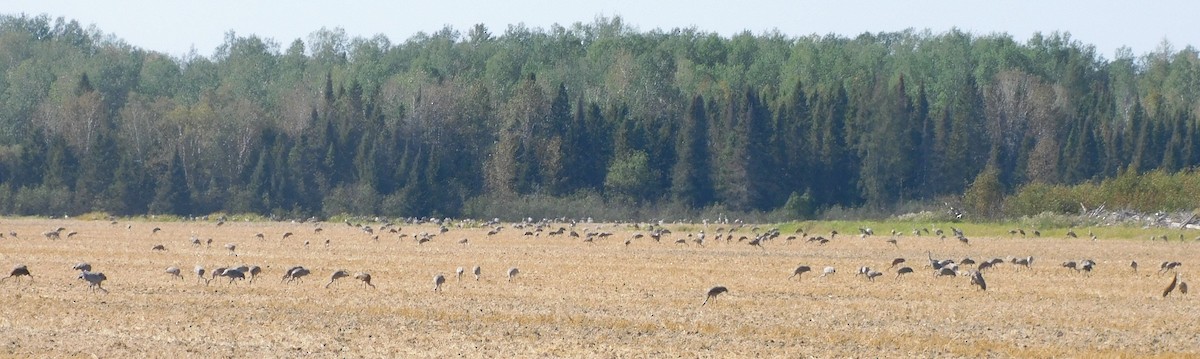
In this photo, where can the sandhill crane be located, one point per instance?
(260, 236)
(977, 279)
(1168, 266)
(757, 242)
(253, 271)
(338, 274)
(195, 242)
(713, 292)
(1182, 287)
(464, 241)
(800, 271)
(948, 272)
(71, 234)
(1071, 265)
(18, 271)
(512, 273)
(896, 262)
(1133, 264)
(217, 272)
(1086, 265)
(903, 270)
(933, 263)
(828, 271)
(82, 267)
(155, 230)
(364, 277)
(233, 273)
(200, 274)
(174, 272)
(232, 248)
(893, 242)
(872, 274)
(1022, 261)
(437, 282)
(295, 273)
(286, 235)
(243, 268)
(984, 265)
(94, 279)
(1171, 287)
(475, 271)
(967, 261)
(458, 272)
(208, 242)
(1071, 233)
(159, 248)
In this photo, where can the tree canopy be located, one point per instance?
(752, 122)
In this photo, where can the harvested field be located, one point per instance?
(578, 299)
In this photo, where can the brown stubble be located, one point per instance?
(577, 299)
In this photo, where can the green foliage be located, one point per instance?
(800, 206)
(629, 177)
(660, 123)
(984, 198)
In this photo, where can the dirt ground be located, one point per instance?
(577, 299)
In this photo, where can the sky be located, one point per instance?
(176, 26)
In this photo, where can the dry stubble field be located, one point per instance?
(574, 299)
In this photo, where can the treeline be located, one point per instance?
(595, 115)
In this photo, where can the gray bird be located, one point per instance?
(476, 272)
(713, 292)
(872, 274)
(977, 279)
(233, 273)
(253, 271)
(200, 274)
(18, 271)
(365, 278)
(437, 282)
(512, 273)
(94, 279)
(295, 273)
(174, 272)
(338, 274)
(800, 271)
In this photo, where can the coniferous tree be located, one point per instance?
(172, 195)
(691, 183)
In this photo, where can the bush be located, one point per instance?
(360, 199)
(43, 201)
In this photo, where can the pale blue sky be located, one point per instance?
(176, 26)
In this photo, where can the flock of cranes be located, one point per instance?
(591, 236)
